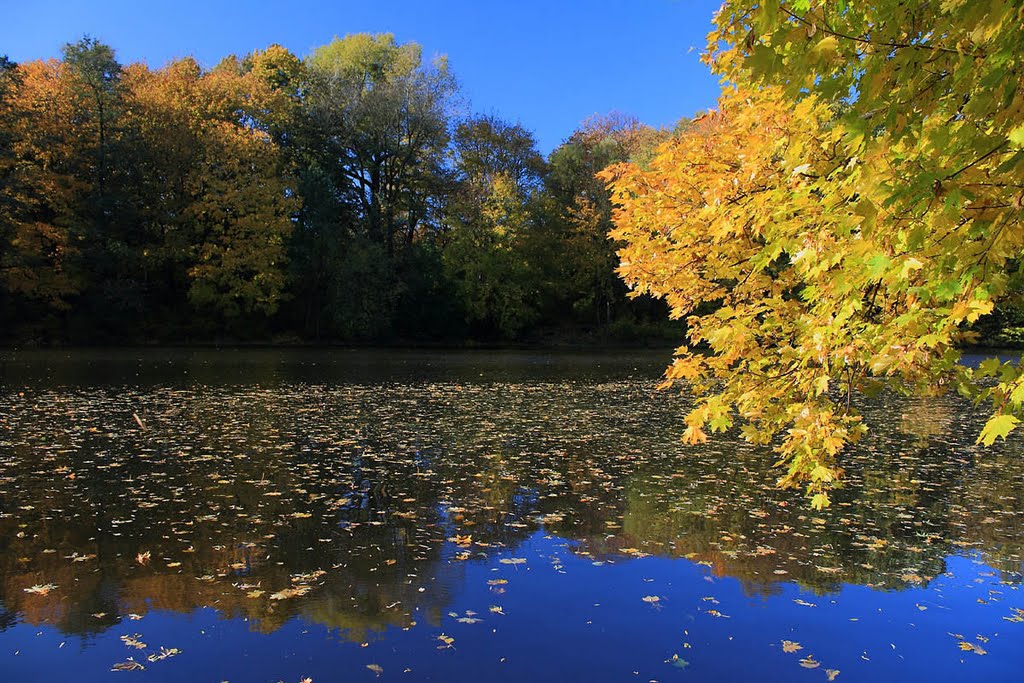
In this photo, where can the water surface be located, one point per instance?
(278, 515)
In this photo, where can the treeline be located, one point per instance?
(340, 198)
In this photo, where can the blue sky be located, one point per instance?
(546, 64)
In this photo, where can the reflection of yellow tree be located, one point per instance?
(926, 420)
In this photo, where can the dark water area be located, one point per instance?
(362, 516)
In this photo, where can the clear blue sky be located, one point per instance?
(547, 64)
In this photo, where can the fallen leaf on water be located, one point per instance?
(513, 560)
(375, 668)
(809, 662)
(130, 665)
(971, 647)
(790, 646)
(41, 589)
(652, 599)
(831, 674)
(133, 640)
(290, 593)
(164, 653)
(678, 662)
(1018, 615)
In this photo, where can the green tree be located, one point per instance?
(383, 114)
(491, 225)
(370, 151)
(579, 212)
(94, 75)
(496, 284)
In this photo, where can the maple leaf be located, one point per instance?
(790, 646)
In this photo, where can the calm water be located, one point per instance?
(352, 516)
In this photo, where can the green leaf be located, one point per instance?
(1016, 135)
(877, 265)
(988, 367)
(826, 46)
(997, 426)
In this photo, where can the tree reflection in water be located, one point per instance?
(359, 505)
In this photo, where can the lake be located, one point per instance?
(359, 516)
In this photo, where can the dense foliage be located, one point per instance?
(842, 220)
(345, 197)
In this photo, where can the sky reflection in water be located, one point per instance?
(477, 517)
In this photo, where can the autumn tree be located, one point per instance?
(218, 221)
(579, 211)
(841, 220)
(40, 197)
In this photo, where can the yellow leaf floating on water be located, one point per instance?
(130, 665)
(831, 674)
(41, 589)
(790, 646)
(164, 654)
(809, 662)
(290, 593)
(513, 560)
(375, 668)
(133, 641)
(971, 647)
(446, 640)
(652, 599)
